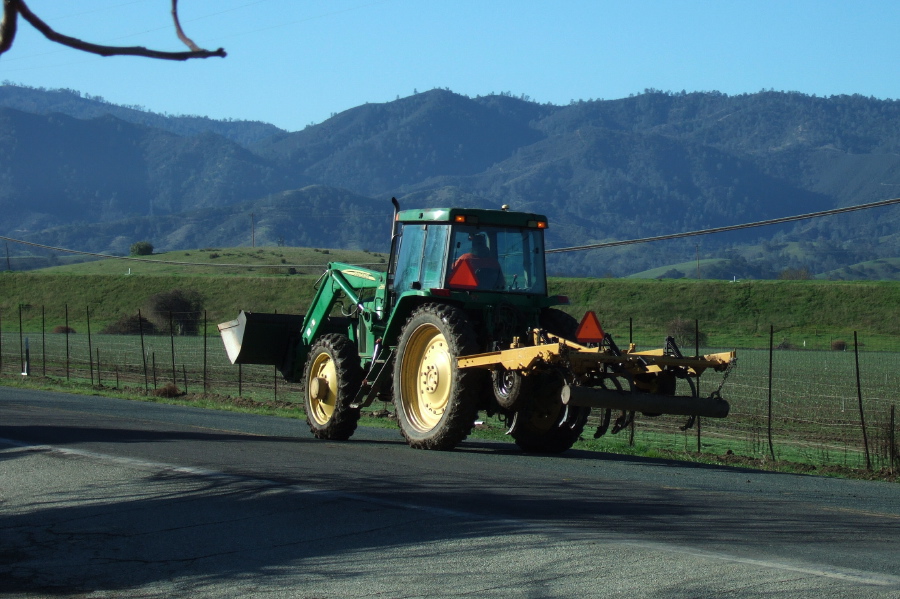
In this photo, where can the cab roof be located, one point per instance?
(502, 218)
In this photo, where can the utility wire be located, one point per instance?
(762, 223)
(593, 246)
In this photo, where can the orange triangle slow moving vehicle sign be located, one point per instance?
(589, 331)
(463, 277)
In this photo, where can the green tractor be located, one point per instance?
(460, 323)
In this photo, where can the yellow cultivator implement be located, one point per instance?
(600, 375)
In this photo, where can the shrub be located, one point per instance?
(795, 274)
(672, 273)
(62, 329)
(184, 305)
(141, 248)
(167, 390)
(131, 324)
(684, 332)
(839, 345)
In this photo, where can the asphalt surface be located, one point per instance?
(113, 498)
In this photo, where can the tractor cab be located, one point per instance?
(469, 250)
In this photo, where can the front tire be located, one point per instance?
(332, 378)
(436, 402)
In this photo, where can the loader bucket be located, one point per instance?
(257, 338)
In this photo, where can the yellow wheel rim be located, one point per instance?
(321, 407)
(427, 376)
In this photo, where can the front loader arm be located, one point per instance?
(284, 340)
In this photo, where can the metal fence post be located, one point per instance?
(43, 343)
(87, 311)
(893, 443)
(205, 324)
(697, 355)
(862, 417)
(143, 351)
(21, 345)
(67, 342)
(771, 354)
(172, 340)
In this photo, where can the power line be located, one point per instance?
(761, 223)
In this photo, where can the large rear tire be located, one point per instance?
(543, 423)
(436, 402)
(332, 378)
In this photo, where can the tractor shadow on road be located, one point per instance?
(81, 523)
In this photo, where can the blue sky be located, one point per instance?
(292, 63)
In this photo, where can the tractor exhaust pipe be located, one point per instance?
(647, 403)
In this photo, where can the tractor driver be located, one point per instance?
(482, 263)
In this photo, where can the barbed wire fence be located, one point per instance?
(808, 398)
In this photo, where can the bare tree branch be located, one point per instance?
(8, 28)
(187, 41)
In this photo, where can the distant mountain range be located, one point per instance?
(78, 172)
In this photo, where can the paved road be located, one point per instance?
(111, 498)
